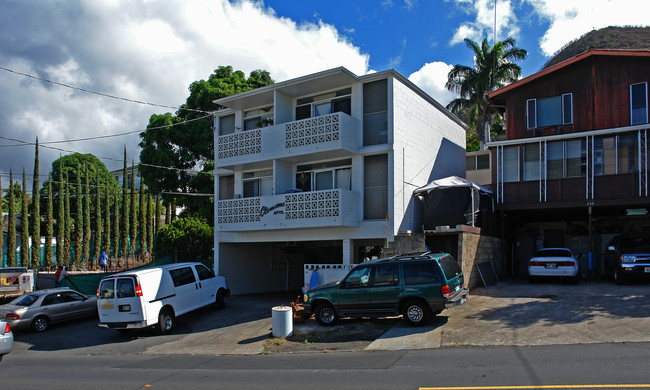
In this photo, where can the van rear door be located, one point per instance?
(119, 301)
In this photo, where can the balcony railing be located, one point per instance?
(324, 133)
(296, 210)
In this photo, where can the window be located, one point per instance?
(511, 164)
(52, 299)
(358, 277)
(420, 273)
(385, 275)
(450, 267)
(627, 153)
(258, 183)
(550, 111)
(182, 276)
(325, 176)
(106, 289)
(375, 187)
(531, 162)
(258, 118)
(639, 103)
(226, 187)
(575, 158)
(227, 124)
(327, 103)
(479, 161)
(203, 272)
(125, 288)
(375, 113)
(605, 155)
(73, 297)
(555, 160)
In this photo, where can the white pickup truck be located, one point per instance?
(15, 281)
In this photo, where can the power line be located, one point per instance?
(98, 93)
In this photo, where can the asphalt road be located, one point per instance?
(470, 367)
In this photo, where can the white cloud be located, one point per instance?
(483, 24)
(570, 19)
(431, 78)
(149, 51)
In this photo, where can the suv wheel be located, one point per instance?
(325, 314)
(416, 312)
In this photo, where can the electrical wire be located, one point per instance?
(99, 93)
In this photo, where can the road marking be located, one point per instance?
(636, 386)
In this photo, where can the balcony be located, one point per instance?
(328, 133)
(298, 210)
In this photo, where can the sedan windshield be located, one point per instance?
(554, 253)
(25, 300)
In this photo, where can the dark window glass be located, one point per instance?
(52, 299)
(385, 275)
(627, 153)
(204, 272)
(226, 187)
(182, 276)
(342, 105)
(303, 112)
(358, 277)
(303, 181)
(639, 103)
(420, 273)
(125, 288)
(450, 267)
(251, 188)
(567, 108)
(106, 289)
(549, 111)
(375, 187)
(73, 297)
(470, 163)
(483, 161)
(375, 112)
(227, 124)
(531, 113)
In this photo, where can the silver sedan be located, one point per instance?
(6, 339)
(38, 309)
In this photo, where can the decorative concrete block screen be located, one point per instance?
(316, 204)
(312, 131)
(240, 144)
(238, 210)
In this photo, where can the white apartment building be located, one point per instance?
(320, 170)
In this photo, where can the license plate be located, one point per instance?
(551, 265)
(107, 306)
(647, 270)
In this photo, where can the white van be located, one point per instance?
(156, 295)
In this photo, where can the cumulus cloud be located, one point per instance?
(483, 23)
(148, 51)
(431, 78)
(570, 19)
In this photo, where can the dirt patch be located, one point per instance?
(347, 335)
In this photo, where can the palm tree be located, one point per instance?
(494, 68)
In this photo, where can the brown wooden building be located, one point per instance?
(572, 171)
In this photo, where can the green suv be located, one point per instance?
(414, 285)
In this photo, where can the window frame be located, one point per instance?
(264, 175)
(532, 111)
(632, 121)
(322, 99)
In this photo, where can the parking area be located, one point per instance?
(509, 313)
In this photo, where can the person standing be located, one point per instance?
(102, 261)
(60, 274)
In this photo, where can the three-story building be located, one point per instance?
(321, 169)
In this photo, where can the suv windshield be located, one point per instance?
(450, 267)
(639, 242)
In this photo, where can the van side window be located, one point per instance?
(182, 276)
(385, 275)
(204, 272)
(420, 273)
(106, 289)
(125, 288)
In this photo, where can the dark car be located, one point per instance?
(416, 286)
(627, 257)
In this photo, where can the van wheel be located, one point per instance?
(165, 321)
(416, 313)
(220, 301)
(325, 314)
(40, 324)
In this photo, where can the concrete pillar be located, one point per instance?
(216, 252)
(348, 251)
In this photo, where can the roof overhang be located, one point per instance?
(298, 87)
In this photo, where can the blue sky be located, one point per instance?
(151, 50)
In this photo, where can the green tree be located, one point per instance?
(60, 217)
(156, 222)
(36, 214)
(142, 220)
(69, 164)
(185, 140)
(49, 228)
(493, 68)
(86, 216)
(134, 214)
(67, 232)
(2, 223)
(185, 238)
(116, 230)
(107, 223)
(125, 209)
(24, 219)
(97, 234)
(78, 222)
(11, 229)
(150, 211)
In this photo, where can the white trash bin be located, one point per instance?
(282, 318)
